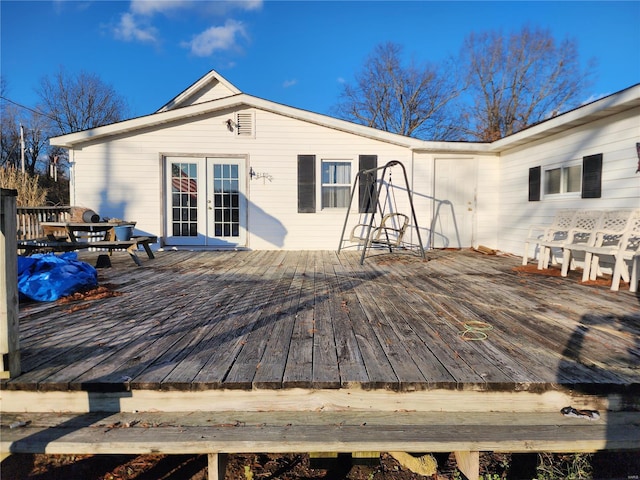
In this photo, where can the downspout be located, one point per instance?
(412, 185)
(72, 177)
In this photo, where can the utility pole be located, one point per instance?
(22, 147)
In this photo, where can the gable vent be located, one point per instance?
(245, 124)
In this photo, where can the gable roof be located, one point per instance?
(212, 86)
(241, 100)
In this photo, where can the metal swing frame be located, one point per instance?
(373, 233)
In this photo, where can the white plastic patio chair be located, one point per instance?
(627, 250)
(583, 226)
(558, 229)
(608, 235)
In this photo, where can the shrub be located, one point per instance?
(30, 194)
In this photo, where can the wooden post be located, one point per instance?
(217, 466)
(469, 464)
(9, 329)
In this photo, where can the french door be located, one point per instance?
(206, 202)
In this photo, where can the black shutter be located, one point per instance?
(535, 176)
(306, 183)
(367, 185)
(592, 176)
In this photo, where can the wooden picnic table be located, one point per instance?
(76, 231)
(70, 236)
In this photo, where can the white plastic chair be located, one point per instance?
(582, 229)
(628, 250)
(607, 237)
(558, 229)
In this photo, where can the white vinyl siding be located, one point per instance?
(132, 167)
(613, 137)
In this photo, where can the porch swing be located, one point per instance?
(390, 231)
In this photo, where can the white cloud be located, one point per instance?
(216, 38)
(129, 29)
(224, 7)
(289, 83)
(150, 7)
(215, 8)
(136, 23)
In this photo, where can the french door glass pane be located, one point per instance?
(184, 199)
(226, 199)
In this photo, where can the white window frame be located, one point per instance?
(348, 185)
(564, 178)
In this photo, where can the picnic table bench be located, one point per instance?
(67, 237)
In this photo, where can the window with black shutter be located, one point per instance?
(534, 183)
(592, 176)
(367, 185)
(306, 183)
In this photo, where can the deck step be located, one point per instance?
(271, 432)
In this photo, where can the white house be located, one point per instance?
(217, 168)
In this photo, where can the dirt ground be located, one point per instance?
(618, 466)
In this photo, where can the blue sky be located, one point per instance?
(294, 52)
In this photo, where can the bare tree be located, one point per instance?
(18, 126)
(9, 137)
(517, 80)
(80, 102)
(9, 140)
(409, 100)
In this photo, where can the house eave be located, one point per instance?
(470, 148)
(72, 140)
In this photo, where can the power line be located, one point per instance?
(29, 108)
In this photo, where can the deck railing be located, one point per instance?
(29, 218)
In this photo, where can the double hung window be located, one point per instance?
(336, 183)
(563, 180)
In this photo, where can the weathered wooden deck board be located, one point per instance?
(193, 321)
(233, 432)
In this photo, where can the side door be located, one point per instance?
(453, 224)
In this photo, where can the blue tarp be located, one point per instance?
(46, 277)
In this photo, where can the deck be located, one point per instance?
(193, 321)
(278, 331)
